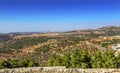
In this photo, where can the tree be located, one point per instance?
(76, 58)
(66, 59)
(31, 63)
(3, 64)
(85, 59)
(109, 59)
(96, 61)
(24, 63)
(13, 63)
(55, 60)
(80, 59)
(118, 61)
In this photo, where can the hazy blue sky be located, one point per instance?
(57, 15)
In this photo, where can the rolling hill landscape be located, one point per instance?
(41, 46)
(59, 36)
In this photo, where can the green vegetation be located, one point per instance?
(43, 49)
(58, 50)
(82, 59)
(17, 44)
(110, 42)
(4, 38)
(74, 59)
(15, 63)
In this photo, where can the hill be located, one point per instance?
(40, 46)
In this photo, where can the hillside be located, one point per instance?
(40, 46)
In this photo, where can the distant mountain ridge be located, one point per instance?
(27, 33)
(110, 27)
(107, 30)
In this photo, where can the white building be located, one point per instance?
(116, 47)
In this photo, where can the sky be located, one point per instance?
(57, 15)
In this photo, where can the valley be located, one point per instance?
(40, 46)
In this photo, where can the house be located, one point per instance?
(116, 47)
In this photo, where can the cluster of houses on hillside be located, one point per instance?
(116, 47)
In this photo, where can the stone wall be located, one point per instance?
(57, 70)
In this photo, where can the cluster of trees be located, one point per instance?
(73, 59)
(110, 42)
(43, 49)
(4, 38)
(17, 44)
(15, 63)
(83, 59)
